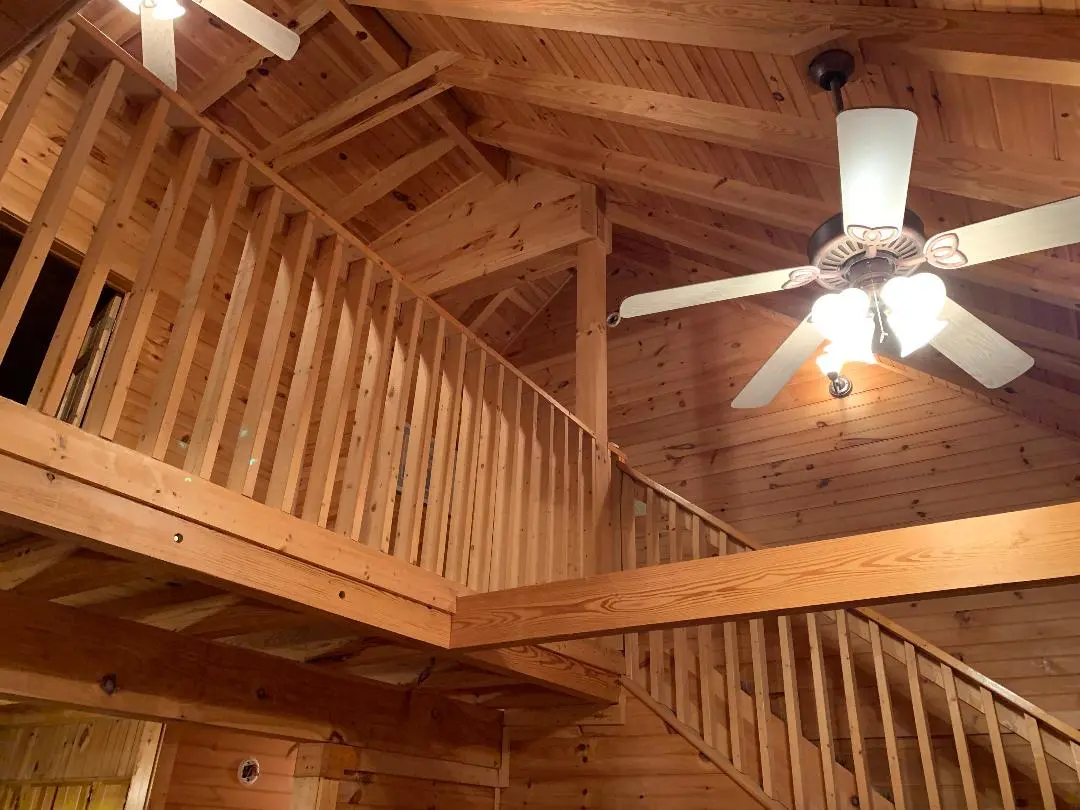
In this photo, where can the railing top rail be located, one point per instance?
(243, 152)
(887, 625)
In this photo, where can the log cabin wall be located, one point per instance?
(68, 761)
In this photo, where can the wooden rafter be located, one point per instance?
(391, 54)
(372, 93)
(962, 170)
(1026, 548)
(758, 25)
(386, 180)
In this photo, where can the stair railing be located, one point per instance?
(833, 708)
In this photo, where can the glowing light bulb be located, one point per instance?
(914, 303)
(167, 10)
(845, 320)
(134, 6)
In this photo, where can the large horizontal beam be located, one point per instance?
(1024, 548)
(720, 193)
(962, 170)
(755, 25)
(64, 655)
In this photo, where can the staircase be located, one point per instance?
(833, 709)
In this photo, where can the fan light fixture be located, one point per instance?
(864, 258)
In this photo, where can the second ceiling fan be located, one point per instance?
(868, 259)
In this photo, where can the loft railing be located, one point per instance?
(792, 701)
(329, 389)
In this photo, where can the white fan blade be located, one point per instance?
(876, 144)
(255, 25)
(980, 351)
(158, 46)
(708, 292)
(778, 369)
(1047, 226)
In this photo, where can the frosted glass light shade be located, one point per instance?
(875, 146)
(914, 303)
(167, 10)
(844, 319)
(133, 6)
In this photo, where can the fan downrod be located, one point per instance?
(830, 70)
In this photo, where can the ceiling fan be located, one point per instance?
(158, 44)
(868, 259)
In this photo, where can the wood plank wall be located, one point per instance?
(83, 762)
(204, 771)
(641, 763)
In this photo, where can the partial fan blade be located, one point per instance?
(158, 46)
(1047, 226)
(875, 145)
(708, 292)
(255, 25)
(778, 369)
(980, 351)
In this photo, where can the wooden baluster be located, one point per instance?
(963, 756)
(851, 697)
(502, 494)
(762, 710)
(997, 746)
(435, 543)
(214, 406)
(464, 472)
(1074, 748)
(560, 545)
(19, 112)
(791, 710)
(34, 247)
(285, 471)
(1038, 753)
(369, 397)
(56, 369)
(480, 534)
(825, 744)
(379, 512)
(732, 678)
(922, 731)
(652, 558)
(575, 554)
(172, 378)
(520, 490)
(532, 530)
(546, 538)
(419, 447)
(885, 699)
(114, 379)
(681, 646)
(255, 423)
(356, 311)
(699, 540)
(628, 533)
(590, 558)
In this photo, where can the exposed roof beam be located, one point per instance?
(753, 25)
(170, 676)
(236, 70)
(702, 188)
(385, 113)
(982, 56)
(966, 171)
(391, 53)
(372, 93)
(1025, 548)
(525, 272)
(386, 180)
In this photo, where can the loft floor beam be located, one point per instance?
(961, 170)
(1017, 549)
(170, 676)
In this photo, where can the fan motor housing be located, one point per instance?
(841, 257)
